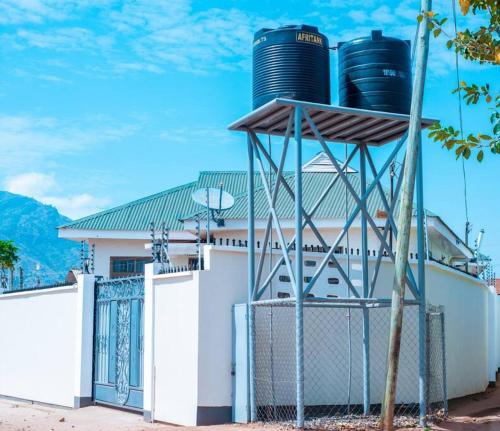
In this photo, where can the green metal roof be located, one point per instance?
(176, 203)
(165, 206)
(313, 185)
(233, 182)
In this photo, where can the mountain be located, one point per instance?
(32, 226)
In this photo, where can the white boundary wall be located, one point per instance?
(46, 344)
(497, 330)
(187, 375)
(190, 359)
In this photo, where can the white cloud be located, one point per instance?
(43, 187)
(131, 36)
(39, 11)
(345, 4)
(382, 15)
(358, 15)
(31, 11)
(64, 39)
(153, 36)
(210, 136)
(32, 184)
(170, 34)
(138, 67)
(27, 142)
(407, 9)
(151, 16)
(77, 206)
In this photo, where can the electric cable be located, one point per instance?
(460, 117)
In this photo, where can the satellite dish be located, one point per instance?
(215, 199)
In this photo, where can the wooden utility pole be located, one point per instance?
(405, 217)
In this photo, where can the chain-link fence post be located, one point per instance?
(443, 358)
(427, 364)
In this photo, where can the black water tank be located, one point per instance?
(375, 73)
(292, 62)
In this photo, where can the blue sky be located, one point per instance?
(105, 101)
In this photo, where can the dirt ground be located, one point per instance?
(476, 413)
(479, 412)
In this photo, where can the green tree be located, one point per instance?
(8, 254)
(481, 45)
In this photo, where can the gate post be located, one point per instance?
(150, 270)
(84, 340)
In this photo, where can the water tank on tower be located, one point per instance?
(375, 73)
(291, 62)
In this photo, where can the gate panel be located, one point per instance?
(118, 351)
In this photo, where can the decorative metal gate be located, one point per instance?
(118, 342)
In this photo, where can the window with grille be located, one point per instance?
(127, 266)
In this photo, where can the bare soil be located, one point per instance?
(479, 412)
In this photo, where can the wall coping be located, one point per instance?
(173, 275)
(429, 263)
(39, 292)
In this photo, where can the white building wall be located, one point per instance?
(309, 238)
(106, 248)
(46, 344)
(195, 320)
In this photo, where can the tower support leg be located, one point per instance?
(366, 286)
(251, 283)
(299, 312)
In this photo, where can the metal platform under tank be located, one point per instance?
(334, 123)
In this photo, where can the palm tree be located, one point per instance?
(8, 258)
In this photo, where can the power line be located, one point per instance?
(460, 116)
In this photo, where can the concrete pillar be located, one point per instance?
(84, 340)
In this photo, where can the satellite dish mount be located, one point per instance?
(215, 200)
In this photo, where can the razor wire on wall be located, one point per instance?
(333, 363)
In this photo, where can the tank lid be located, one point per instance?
(376, 35)
(302, 27)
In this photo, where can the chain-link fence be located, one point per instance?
(436, 361)
(333, 364)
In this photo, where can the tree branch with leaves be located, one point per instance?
(480, 45)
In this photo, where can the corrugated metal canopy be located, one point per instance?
(335, 123)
